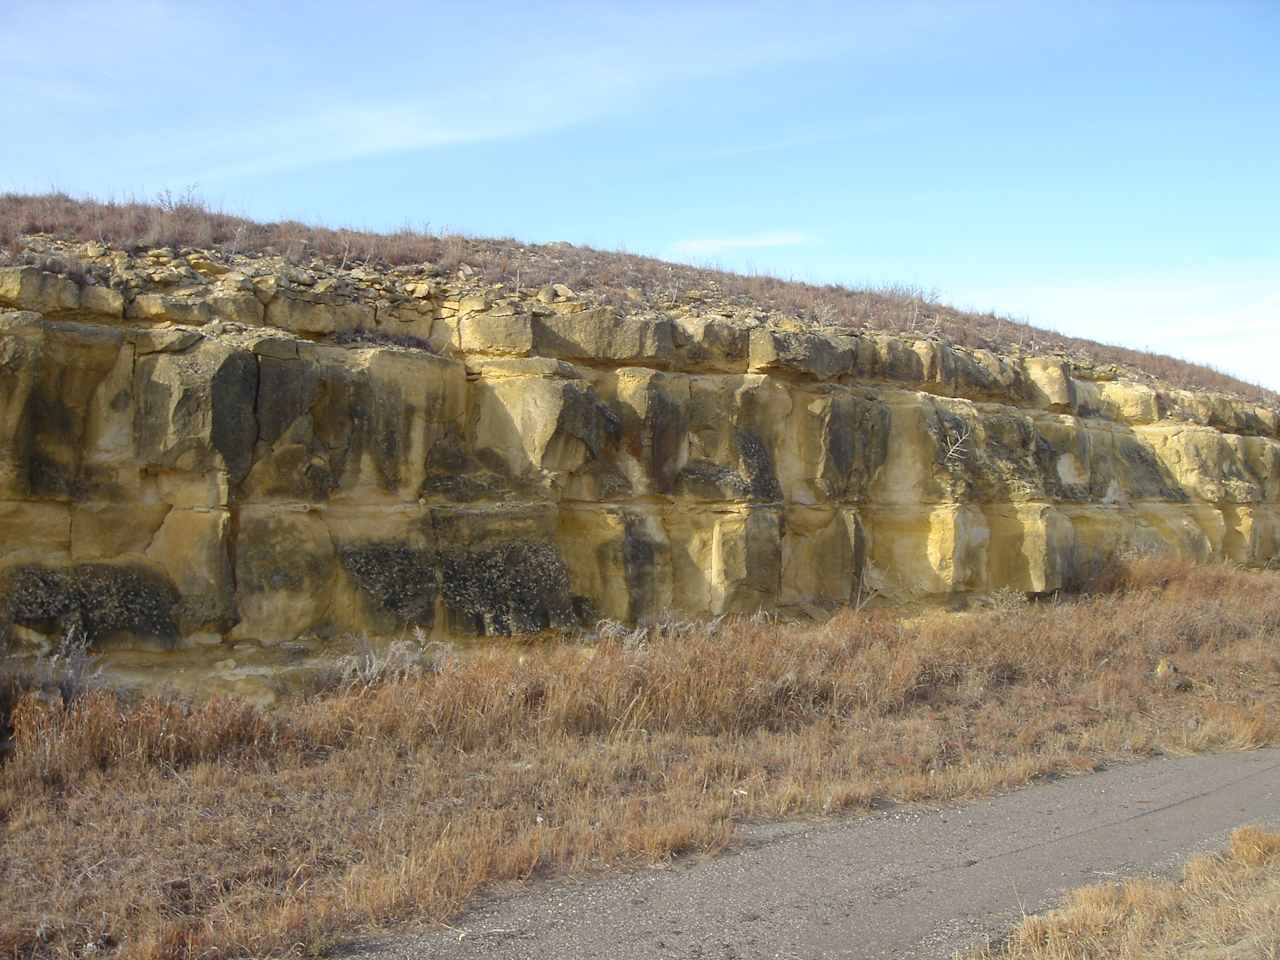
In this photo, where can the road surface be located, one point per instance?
(910, 882)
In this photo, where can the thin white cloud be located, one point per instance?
(711, 246)
(232, 117)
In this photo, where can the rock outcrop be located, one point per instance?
(201, 449)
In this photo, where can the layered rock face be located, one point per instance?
(208, 450)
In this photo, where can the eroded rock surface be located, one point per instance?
(197, 448)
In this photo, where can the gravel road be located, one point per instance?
(908, 882)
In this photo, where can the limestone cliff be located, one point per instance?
(203, 449)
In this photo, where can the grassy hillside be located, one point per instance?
(629, 281)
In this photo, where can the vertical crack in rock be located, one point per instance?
(639, 563)
(234, 428)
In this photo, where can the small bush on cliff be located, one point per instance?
(667, 630)
(368, 666)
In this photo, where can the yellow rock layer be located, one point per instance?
(251, 457)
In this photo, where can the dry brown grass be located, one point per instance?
(159, 830)
(1226, 907)
(611, 277)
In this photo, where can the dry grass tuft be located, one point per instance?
(1226, 907)
(160, 830)
(626, 280)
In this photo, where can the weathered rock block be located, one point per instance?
(620, 558)
(317, 317)
(1031, 549)
(205, 451)
(710, 344)
(809, 355)
(286, 567)
(921, 550)
(599, 336)
(824, 553)
(28, 288)
(1050, 384)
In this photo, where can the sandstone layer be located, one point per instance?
(203, 449)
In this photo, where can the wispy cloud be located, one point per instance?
(710, 246)
(621, 58)
(249, 107)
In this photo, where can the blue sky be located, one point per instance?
(1109, 170)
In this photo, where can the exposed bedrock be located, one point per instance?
(211, 465)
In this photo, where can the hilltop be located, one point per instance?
(629, 283)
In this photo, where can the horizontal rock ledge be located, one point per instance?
(194, 453)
